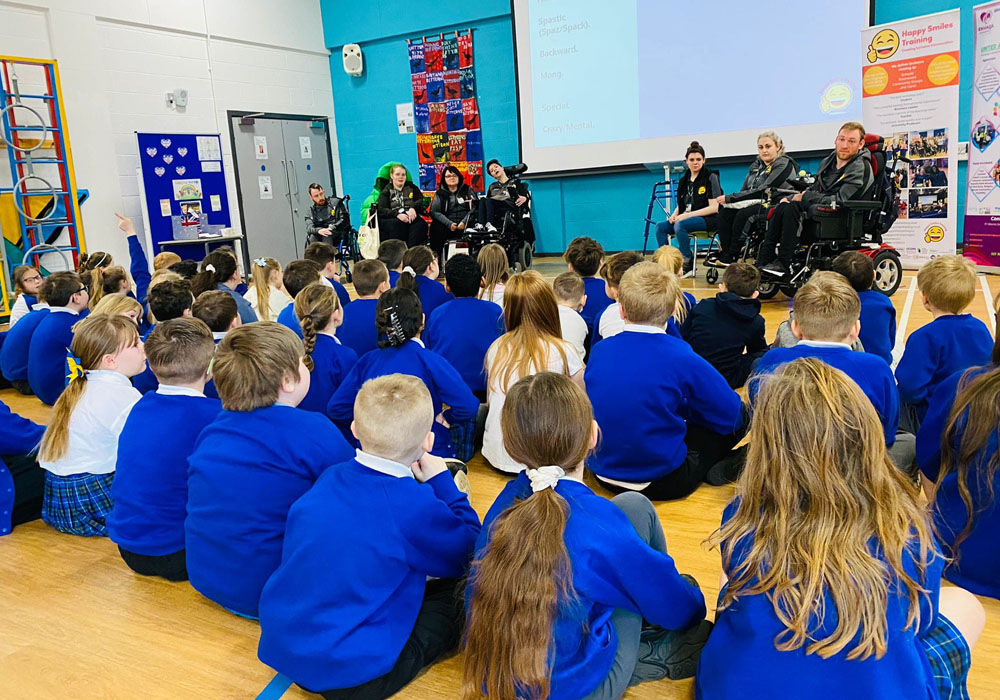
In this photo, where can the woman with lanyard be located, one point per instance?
(400, 207)
(697, 204)
(771, 169)
(455, 208)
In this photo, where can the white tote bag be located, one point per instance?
(368, 240)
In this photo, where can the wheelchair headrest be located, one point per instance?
(874, 143)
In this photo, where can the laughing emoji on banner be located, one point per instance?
(934, 234)
(883, 46)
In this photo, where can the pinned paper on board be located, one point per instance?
(260, 147)
(209, 148)
(264, 185)
(404, 118)
(164, 207)
(216, 202)
(305, 147)
(211, 166)
(190, 213)
(187, 189)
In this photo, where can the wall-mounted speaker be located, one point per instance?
(354, 62)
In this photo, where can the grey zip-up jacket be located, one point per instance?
(837, 185)
(761, 176)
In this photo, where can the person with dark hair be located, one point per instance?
(391, 253)
(68, 300)
(400, 207)
(167, 301)
(584, 256)
(454, 209)
(326, 256)
(698, 195)
(420, 273)
(878, 315)
(399, 319)
(371, 281)
(298, 275)
(219, 271)
(505, 196)
(185, 268)
(327, 359)
(328, 217)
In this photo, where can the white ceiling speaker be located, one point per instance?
(354, 63)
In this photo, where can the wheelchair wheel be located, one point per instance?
(767, 290)
(711, 275)
(524, 257)
(888, 272)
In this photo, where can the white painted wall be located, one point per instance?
(117, 59)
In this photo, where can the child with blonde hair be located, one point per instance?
(267, 295)
(320, 314)
(493, 262)
(118, 304)
(571, 295)
(834, 577)
(672, 260)
(164, 260)
(81, 442)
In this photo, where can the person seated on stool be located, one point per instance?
(326, 217)
(843, 175)
(400, 207)
(771, 169)
(454, 209)
(697, 204)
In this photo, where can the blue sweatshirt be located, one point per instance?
(342, 293)
(146, 381)
(432, 294)
(975, 566)
(393, 278)
(644, 387)
(358, 550)
(150, 489)
(606, 555)
(597, 300)
(47, 354)
(461, 331)
(139, 268)
(442, 380)
(288, 319)
(740, 661)
(247, 314)
(14, 352)
(18, 436)
(869, 372)
(878, 324)
(247, 469)
(358, 330)
(332, 361)
(946, 345)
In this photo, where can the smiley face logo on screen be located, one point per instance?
(934, 234)
(836, 97)
(883, 46)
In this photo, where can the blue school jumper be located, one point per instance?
(140, 275)
(461, 331)
(47, 354)
(442, 380)
(597, 300)
(878, 324)
(358, 329)
(393, 278)
(740, 661)
(644, 387)
(14, 352)
(247, 314)
(359, 548)
(869, 372)
(288, 319)
(247, 469)
(432, 294)
(146, 381)
(612, 568)
(332, 361)
(975, 566)
(342, 293)
(946, 345)
(18, 436)
(150, 489)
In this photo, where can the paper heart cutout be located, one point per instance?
(159, 171)
(180, 169)
(150, 151)
(168, 159)
(165, 143)
(182, 151)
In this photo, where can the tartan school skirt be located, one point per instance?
(950, 659)
(78, 504)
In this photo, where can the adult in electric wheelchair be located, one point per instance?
(329, 221)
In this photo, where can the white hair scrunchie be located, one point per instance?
(410, 270)
(544, 478)
(210, 268)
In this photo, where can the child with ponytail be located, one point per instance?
(564, 581)
(91, 271)
(834, 577)
(267, 295)
(81, 442)
(219, 272)
(400, 320)
(420, 273)
(328, 361)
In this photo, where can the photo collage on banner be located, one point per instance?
(445, 110)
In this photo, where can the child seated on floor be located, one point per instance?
(492, 260)
(164, 259)
(549, 539)
(328, 361)
(28, 283)
(610, 322)
(298, 275)
(371, 281)
(17, 343)
(728, 330)
(150, 490)
(420, 273)
(679, 417)
(951, 342)
(834, 577)
(672, 260)
(81, 442)
(267, 295)
(327, 257)
(393, 537)
(219, 311)
(826, 323)
(219, 272)
(251, 463)
(118, 304)
(571, 296)
(390, 253)
(533, 343)
(878, 315)
(584, 257)
(400, 321)
(462, 330)
(68, 300)
(21, 498)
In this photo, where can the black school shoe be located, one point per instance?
(728, 469)
(669, 654)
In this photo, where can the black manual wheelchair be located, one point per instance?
(829, 231)
(344, 236)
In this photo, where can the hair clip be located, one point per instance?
(209, 268)
(74, 368)
(260, 262)
(398, 335)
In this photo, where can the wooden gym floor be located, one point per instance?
(74, 620)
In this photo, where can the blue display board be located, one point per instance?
(184, 172)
